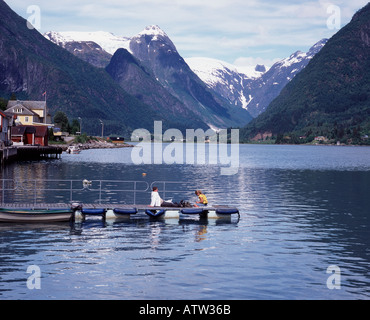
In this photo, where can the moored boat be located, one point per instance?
(73, 150)
(35, 215)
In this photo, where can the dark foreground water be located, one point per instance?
(303, 209)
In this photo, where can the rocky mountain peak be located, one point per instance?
(260, 68)
(317, 47)
(153, 38)
(153, 30)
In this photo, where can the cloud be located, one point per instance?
(223, 29)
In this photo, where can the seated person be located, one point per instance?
(202, 199)
(156, 200)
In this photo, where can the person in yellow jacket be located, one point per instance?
(202, 198)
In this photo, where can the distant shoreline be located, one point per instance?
(97, 145)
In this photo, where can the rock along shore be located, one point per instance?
(98, 144)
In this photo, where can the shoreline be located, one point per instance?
(307, 144)
(92, 144)
(96, 145)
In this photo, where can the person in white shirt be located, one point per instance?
(156, 199)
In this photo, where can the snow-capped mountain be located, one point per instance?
(108, 41)
(211, 70)
(159, 59)
(254, 90)
(154, 31)
(155, 50)
(251, 89)
(225, 78)
(269, 85)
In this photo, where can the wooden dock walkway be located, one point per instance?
(26, 153)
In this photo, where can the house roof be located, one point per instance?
(31, 105)
(21, 130)
(41, 131)
(25, 110)
(28, 106)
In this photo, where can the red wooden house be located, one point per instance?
(41, 136)
(30, 135)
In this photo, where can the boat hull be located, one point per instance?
(35, 216)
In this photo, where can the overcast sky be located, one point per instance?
(235, 31)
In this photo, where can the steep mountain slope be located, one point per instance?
(30, 64)
(157, 53)
(88, 51)
(269, 85)
(226, 79)
(331, 95)
(256, 90)
(136, 80)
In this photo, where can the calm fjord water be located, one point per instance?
(303, 209)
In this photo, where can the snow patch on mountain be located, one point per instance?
(226, 79)
(154, 31)
(210, 70)
(252, 87)
(108, 41)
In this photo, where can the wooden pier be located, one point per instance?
(8, 154)
(28, 153)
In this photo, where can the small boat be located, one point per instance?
(35, 215)
(73, 150)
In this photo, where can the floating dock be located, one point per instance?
(105, 199)
(82, 211)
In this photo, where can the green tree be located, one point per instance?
(61, 120)
(75, 126)
(3, 104)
